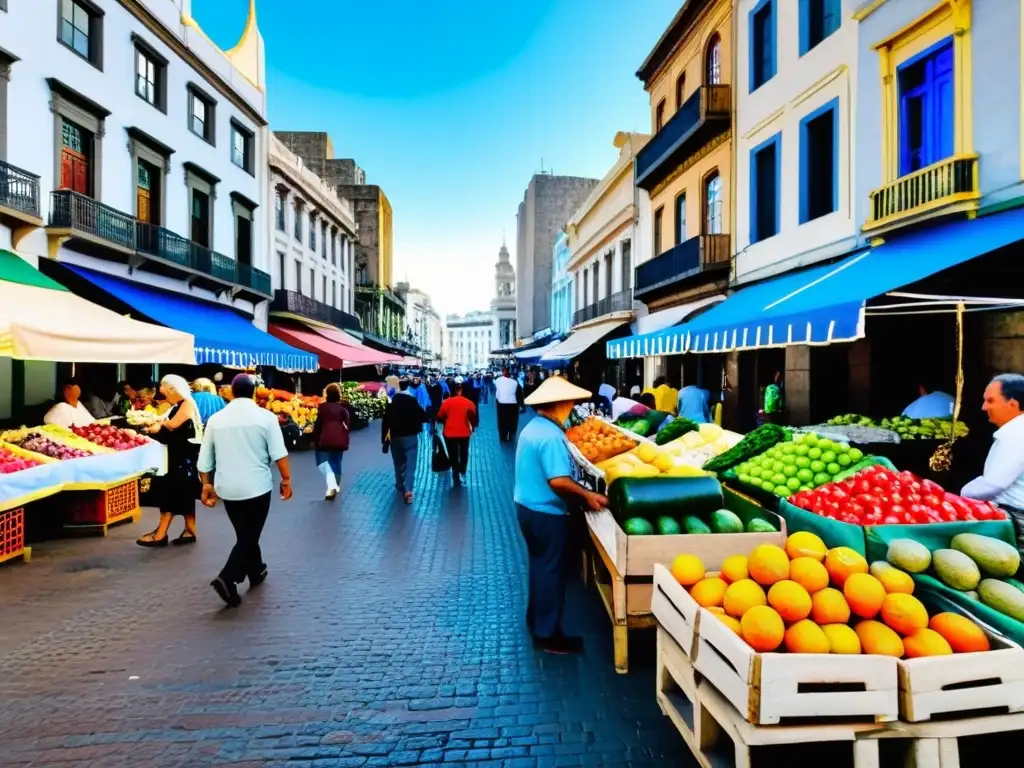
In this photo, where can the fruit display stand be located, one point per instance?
(587, 474)
(623, 570)
(94, 507)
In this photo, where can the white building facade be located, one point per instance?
(312, 232)
(130, 144)
(426, 329)
(503, 305)
(471, 337)
(794, 154)
(562, 296)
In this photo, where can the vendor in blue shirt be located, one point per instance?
(694, 403)
(543, 489)
(931, 404)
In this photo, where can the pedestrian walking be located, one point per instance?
(543, 491)
(241, 443)
(176, 490)
(459, 416)
(400, 433)
(508, 398)
(436, 392)
(330, 436)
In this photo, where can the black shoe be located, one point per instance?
(559, 644)
(259, 578)
(228, 592)
(185, 538)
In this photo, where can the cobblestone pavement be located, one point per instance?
(385, 635)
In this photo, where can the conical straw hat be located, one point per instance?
(557, 390)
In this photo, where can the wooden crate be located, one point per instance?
(710, 725)
(964, 741)
(964, 683)
(12, 536)
(677, 613)
(771, 687)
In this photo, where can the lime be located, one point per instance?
(802, 462)
(856, 454)
(744, 478)
(821, 478)
(779, 479)
(777, 466)
(790, 470)
(787, 447)
(833, 469)
(782, 490)
(806, 488)
(805, 475)
(809, 440)
(800, 449)
(817, 466)
(814, 453)
(826, 445)
(793, 484)
(843, 460)
(766, 474)
(828, 456)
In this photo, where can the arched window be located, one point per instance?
(713, 204)
(713, 61)
(680, 90)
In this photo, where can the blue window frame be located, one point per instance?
(819, 162)
(765, 188)
(761, 23)
(680, 218)
(818, 20)
(926, 107)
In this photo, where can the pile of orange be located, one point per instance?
(598, 440)
(806, 598)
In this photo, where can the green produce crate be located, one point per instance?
(766, 499)
(873, 541)
(930, 589)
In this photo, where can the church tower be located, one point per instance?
(503, 305)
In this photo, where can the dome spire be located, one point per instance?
(247, 55)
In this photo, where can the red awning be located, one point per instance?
(336, 349)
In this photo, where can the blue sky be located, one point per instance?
(452, 105)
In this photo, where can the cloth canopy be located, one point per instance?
(40, 319)
(534, 354)
(335, 349)
(222, 336)
(581, 340)
(665, 318)
(827, 304)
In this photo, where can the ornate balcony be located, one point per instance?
(617, 302)
(104, 231)
(292, 303)
(703, 116)
(951, 184)
(678, 264)
(19, 197)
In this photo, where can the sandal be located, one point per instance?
(150, 540)
(185, 538)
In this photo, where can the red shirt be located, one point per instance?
(458, 414)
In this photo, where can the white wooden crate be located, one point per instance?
(769, 687)
(677, 613)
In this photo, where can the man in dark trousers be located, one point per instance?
(241, 443)
(436, 392)
(508, 398)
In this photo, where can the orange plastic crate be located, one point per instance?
(104, 507)
(12, 533)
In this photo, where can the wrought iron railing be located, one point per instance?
(617, 302)
(681, 261)
(954, 179)
(708, 101)
(83, 214)
(19, 189)
(296, 303)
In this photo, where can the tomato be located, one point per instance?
(932, 500)
(838, 494)
(855, 507)
(867, 498)
(863, 486)
(898, 510)
(891, 520)
(913, 498)
(963, 509)
(948, 512)
(896, 497)
(929, 486)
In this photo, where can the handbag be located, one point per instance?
(439, 461)
(386, 445)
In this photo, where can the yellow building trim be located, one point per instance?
(765, 123)
(824, 81)
(949, 18)
(716, 144)
(867, 9)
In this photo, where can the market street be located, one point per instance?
(385, 635)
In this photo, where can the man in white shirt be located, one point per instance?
(508, 397)
(1003, 479)
(240, 444)
(71, 412)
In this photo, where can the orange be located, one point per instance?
(962, 634)
(926, 642)
(717, 610)
(688, 570)
(734, 568)
(709, 592)
(806, 637)
(790, 600)
(864, 594)
(731, 623)
(892, 578)
(840, 562)
(805, 544)
(742, 596)
(842, 638)
(768, 564)
(762, 628)
(829, 607)
(809, 574)
(878, 639)
(904, 613)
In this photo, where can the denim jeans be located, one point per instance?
(333, 461)
(404, 453)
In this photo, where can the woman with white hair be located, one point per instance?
(181, 432)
